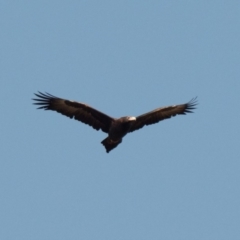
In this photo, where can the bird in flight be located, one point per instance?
(116, 128)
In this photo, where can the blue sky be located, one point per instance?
(178, 179)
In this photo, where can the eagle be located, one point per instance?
(116, 128)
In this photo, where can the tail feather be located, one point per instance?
(109, 144)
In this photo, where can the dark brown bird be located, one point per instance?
(116, 128)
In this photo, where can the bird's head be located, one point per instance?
(127, 120)
(126, 123)
(131, 119)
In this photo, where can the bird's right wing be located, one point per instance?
(160, 114)
(76, 110)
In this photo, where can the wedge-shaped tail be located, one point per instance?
(110, 144)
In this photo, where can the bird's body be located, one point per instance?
(116, 128)
(119, 128)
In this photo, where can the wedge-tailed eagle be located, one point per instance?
(116, 128)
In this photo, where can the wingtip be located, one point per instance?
(193, 102)
(191, 105)
(43, 99)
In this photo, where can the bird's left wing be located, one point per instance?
(160, 114)
(76, 110)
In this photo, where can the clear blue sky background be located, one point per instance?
(178, 179)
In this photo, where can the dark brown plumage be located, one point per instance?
(115, 128)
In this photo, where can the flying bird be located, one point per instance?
(116, 128)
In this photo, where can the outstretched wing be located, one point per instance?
(160, 114)
(76, 110)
